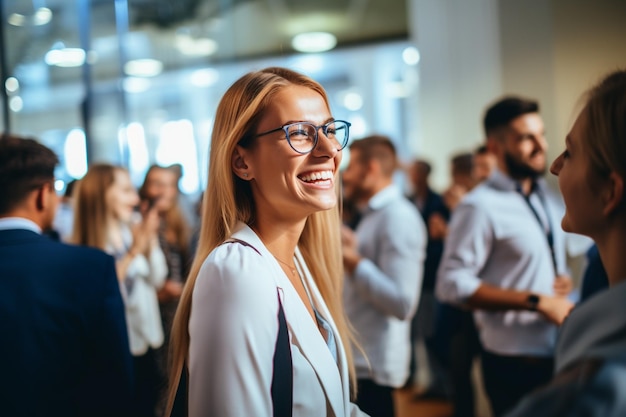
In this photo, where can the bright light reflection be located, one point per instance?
(59, 185)
(188, 45)
(66, 58)
(177, 146)
(411, 55)
(314, 42)
(138, 158)
(143, 67)
(16, 104)
(12, 85)
(42, 16)
(75, 151)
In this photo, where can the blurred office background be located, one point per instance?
(137, 82)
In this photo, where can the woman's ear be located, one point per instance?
(614, 196)
(239, 165)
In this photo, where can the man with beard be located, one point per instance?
(504, 257)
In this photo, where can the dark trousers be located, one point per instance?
(148, 381)
(375, 400)
(509, 378)
(464, 348)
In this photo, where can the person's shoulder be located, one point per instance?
(236, 266)
(79, 253)
(484, 197)
(591, 387)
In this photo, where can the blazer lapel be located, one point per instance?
(342, 361)
(303, 331)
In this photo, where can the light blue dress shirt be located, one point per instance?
(494, 237)
(11, 223)
(381, 296)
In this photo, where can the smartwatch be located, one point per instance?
(533, 301)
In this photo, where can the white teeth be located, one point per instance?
(316, 176)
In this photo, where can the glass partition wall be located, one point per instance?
(137, 82)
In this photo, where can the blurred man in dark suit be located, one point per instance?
(64, 348)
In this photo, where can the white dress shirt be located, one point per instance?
(495, 238)
(144, 276)
(382, 294)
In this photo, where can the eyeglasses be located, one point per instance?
(302, 136)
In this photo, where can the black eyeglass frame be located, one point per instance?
(324, 127)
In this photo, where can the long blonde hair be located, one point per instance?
(90, 206)
(228, 200)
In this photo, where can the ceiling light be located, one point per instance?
(16, 104)
(314, 42)
(65, 57)
(143, 67)
(411, 55)
(195, 46)
(42, 16)
(12, 85)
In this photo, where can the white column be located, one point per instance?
(460, 72)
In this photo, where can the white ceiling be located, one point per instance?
(243, 29)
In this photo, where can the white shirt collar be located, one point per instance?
(9, 223)
(383, 197)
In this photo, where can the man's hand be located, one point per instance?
(437, 227)
(555, 309)
(453, 195)
(171, 291)
(563, 285)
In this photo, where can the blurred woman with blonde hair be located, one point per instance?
(105, 218)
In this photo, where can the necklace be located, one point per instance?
(291, 268)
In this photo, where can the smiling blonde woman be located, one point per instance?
(269, 248)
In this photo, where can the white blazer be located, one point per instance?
(233, 329)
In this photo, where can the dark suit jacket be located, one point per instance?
(434, 248)
(63, 341)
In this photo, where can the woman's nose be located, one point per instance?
(325, 145)
(556, 166)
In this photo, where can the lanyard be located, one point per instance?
(547, 233)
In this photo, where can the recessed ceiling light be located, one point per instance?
(42, 16)
(143, 67)
(12, 84)
(314, 42)
(16, 104)
(411, 55)
(65, 57)
(191, 46)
